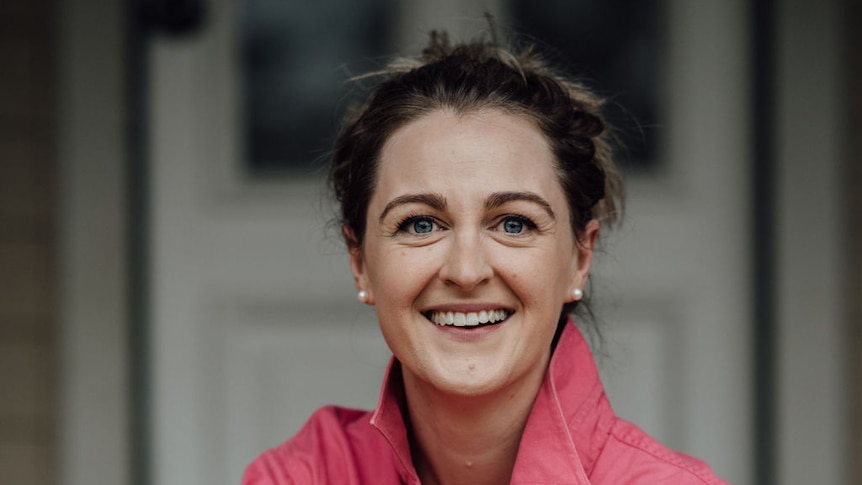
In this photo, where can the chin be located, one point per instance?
(473, 379)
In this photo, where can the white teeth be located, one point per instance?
(460, 319)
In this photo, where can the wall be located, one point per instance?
(28, 244)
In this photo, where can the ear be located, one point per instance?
(357, 264)
(583, 257)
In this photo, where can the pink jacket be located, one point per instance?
(572, 437)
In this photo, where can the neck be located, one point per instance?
(468, 439)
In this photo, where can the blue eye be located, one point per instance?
(418, 225)
(516, 225)
(422, 226)
(513, 226)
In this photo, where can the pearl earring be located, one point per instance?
(577, 293)
(362, 296)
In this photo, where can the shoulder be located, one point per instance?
(630, 456)
(323, 451)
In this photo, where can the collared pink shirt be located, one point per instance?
(572, 437)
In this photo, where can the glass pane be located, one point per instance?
(295, 57)
(614, 46)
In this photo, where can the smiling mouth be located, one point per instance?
(468, 319)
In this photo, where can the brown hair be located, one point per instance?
(467, 78)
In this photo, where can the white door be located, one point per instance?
(255, 322)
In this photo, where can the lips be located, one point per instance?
(468, 319)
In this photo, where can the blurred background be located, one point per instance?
(173, 302)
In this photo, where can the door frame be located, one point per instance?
(94, 431)
(94, 400)
(811, 297)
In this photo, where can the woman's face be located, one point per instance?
(469, 254)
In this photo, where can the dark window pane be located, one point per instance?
(295, 57)
(615, 47)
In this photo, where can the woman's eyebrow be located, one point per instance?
(435, 201)
(497, 199)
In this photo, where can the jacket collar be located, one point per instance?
(565, 431)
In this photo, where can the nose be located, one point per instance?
(466, 265)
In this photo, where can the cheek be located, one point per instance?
(540, 278)
(403, 273)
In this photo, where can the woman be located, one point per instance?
(472, 183)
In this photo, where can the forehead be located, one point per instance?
(480, 151)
